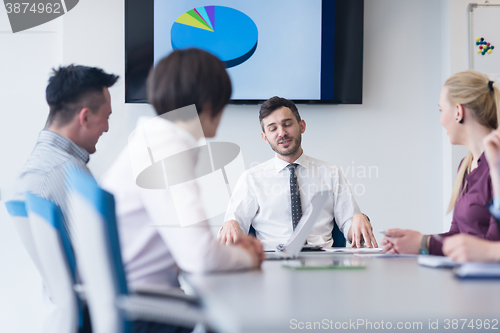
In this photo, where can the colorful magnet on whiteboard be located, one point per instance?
(489, 51)
(492, 47)
(488, 44)
(477, 38)
(478, 51)
(480, 47)
(482, 39)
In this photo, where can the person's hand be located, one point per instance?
(230, 232)
(491, 144)
(388, 247)
(402, 241)
(465, 247)
(254, 247)
(360, 230)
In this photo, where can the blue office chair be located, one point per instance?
(112, 306)
(337, 235)
(19, 216)
(57, 261)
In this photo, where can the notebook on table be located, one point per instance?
(478, 270)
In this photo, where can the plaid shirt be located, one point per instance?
(44, 172)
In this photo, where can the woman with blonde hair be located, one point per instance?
(470, 110)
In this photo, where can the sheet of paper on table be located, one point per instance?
(353, 250)
(478, 270)
(385, 255)
(437, 261)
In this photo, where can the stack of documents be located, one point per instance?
(437, 262)
(353, 250)
(476, 270)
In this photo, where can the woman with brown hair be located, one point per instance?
(470, 110)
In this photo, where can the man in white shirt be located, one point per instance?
(272, 196)
(155, 243)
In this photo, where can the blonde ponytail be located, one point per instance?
(472, 90)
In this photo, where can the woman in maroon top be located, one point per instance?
(464, 247)
(469, 112)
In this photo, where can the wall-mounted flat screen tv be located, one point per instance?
(310, 51)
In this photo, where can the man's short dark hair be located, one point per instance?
(186, 77)
(275, 103)
(72, 88)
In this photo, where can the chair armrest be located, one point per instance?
(161, 309)
(161, 291)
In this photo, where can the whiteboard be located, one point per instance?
(484, 22)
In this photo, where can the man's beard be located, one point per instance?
(292, 148)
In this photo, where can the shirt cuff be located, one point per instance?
(345, 231)
(436, 246)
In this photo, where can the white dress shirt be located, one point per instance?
(262, 199)
(154, 244)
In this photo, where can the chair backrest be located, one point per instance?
(19, 215)
(98, 250)
(337, 236)
(57, 261)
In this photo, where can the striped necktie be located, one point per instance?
(296, 207)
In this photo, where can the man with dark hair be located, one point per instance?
(80, 105)
(272, 196)
(162, 221)
(196, 76)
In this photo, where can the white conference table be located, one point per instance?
(389, 294)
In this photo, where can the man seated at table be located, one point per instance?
(464, 247)
(271, 197)
(80, 106)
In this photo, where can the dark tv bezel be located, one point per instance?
(347, 51)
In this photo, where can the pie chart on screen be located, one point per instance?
(226, 32)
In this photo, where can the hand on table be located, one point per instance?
(254, 247)
(402, 241)
(231, 232)
(465, 247)
(361, 229)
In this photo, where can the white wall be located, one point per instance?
(26, 59)
(409, 49)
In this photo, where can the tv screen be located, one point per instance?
(310, 51)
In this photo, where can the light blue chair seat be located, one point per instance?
(56, 259)
(112, 306)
